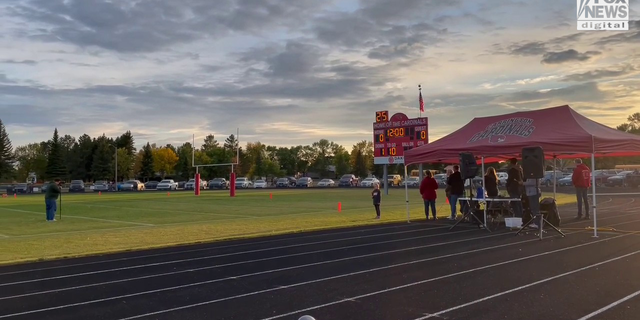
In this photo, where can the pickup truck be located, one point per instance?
(167, 185)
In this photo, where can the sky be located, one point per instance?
(292, 72)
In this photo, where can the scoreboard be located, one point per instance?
(392, 136)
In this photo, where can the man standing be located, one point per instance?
(514, 186)
(455, 185)
(50, 197)
(581, 179)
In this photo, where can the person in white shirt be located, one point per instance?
(533, 195)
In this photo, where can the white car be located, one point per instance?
(243, 182)
(326, 183)
(190, 185)
(260, 184)
(369, 182)
(167, 185)
(411, 182)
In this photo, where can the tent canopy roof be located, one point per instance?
(560, 131)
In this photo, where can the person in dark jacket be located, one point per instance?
(455, 185)
(491, 182)
(50, 197)
(581, 179)
(428, 188)
(376, 196)
(515, 185)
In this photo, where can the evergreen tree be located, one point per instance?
(103, 159)
(55, 158)
(126, 141)
(184, 167)
(147, 171)
(6, 154)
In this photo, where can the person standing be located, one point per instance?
(50, 198)
(581, 179)
(491, 183)
(514, 186)
(455, 184)
(376, 196)
(428, 188)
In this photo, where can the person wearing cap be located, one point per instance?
(581, 179)
(50, 198)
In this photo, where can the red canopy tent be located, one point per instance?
(560, 131)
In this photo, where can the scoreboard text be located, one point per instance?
(392, 136)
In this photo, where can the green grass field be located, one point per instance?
(93, 223)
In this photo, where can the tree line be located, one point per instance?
(94, 158)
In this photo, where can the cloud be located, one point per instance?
(567, 56)
(28, 62)
(148, 26)
(4, 79)
(528, 49)
(622, 38)
(601, 73)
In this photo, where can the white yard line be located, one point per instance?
(81, 217)
(171, 211)
(603, 309)
(4, 236)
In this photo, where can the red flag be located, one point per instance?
(421, 103)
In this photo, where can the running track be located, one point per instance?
(397, 272)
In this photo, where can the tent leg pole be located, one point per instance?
(555, 179)
(406, 192)
(593, 205)
(483, 194)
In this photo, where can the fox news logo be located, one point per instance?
(603, 14)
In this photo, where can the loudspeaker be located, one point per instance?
(533, 163)
(468, 166)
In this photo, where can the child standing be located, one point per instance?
(375, 195)
(428, 189)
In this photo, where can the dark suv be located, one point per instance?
(76, 186)
(286, 182)
(348, 180)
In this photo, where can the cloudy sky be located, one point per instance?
(291, 72)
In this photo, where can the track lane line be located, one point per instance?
(267, 271)
(437, 314)
(242, 252)
(388, 289)
(609, 306)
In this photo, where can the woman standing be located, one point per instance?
(491, 183)
(428, 189)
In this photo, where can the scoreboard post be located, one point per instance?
(394, 135)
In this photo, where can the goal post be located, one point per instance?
(232, 176)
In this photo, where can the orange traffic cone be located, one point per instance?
(99, 193)
(448, 200)
(15, 196)
(270, 195)
(339, 206)
(168, 194)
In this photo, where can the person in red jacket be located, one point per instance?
(581, 179)
(428, 189)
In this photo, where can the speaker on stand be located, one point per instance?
(533, 168)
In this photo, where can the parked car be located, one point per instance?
(167, 184)
(411, 182)
(219, 183)
(566, 181)
(369, 182)
(76, 186)
(394, 179)
(132, 185)
(619, 180)
(326, 183)
(260, 184)
(181, 184)
(547, 179)
(348, 180)
(21, 188)
(190, 185)
(243, 182)
(304, 182)
(100, 186)
(151, 185)
(441, 178)
(602, 176)
(286, 182)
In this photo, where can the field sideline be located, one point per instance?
(94, 224)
